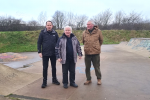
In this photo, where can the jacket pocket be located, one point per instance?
(96, 47)
(86, 49)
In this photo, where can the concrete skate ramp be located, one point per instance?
(140, 46)
(12, 79)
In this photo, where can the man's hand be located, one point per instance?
(59, 60)
(40, 55)
(80, 57)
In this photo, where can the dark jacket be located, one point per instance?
(47, 42)
(60, 48)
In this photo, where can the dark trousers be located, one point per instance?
(68, 66)
(95, 59)
(45, 66)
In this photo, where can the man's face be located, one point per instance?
(49, 26)
(67, 31)
(89, 25)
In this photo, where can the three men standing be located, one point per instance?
(92, 40)
(47, 41)
(67, 49)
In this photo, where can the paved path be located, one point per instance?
(125, 76)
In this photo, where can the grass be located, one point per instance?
(26, 41)
(12, 98)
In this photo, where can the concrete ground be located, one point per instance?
(125, 76)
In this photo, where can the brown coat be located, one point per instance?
(92, 42)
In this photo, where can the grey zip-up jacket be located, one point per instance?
(60, 49)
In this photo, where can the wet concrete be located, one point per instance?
(125, 76)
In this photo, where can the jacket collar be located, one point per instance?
(45, 30)
(95, 28)
(71, 35)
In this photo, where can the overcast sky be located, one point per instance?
(30, 9)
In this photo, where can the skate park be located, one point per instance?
(125, 69)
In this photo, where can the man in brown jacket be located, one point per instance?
(92, 40)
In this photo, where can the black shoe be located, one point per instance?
(55, 81)
(65, 86)
(74, 85)
(44, 83)
(43, 86)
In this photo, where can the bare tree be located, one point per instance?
(33, 23)
(80, 21)
(6, 20)
(119, 17)
(98, 20)
(59, 19)
(42, 18)
(146, 24)
(106, 17)
(132, 19)
(71, 19)
(9, 23)
(103, 19)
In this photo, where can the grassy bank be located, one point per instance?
(23, 41)
(26, 41)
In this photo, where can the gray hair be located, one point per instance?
(91, 21)
(68, 27)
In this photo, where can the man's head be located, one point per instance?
(67, 30)
(90, 25)
(49, 25)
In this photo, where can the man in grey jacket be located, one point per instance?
(66, 51)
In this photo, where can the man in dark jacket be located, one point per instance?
(47, 41)
(67, 49)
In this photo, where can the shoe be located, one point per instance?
(44, 83)
(99, 82)
(43, 86)
(74, 85)
(55, 81)
(65, 86)
(87, 82)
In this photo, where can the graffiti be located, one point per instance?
(130, 42)
(5, 57)
(81, 69)
(139, 43)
